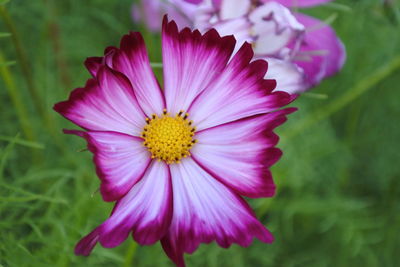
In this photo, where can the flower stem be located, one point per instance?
(349, 96)
(22, 58)
(57, 45)
(40, 107)
(156, 64)
(16, 99)
(130, 255)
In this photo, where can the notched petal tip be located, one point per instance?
(109, 50)
(290, 110)
(245, 53)
(258, 68)
(133, 41)
(87, 244)
(108, 191)
(64, 107)
(75, 132)
(283, 98)
(93, 64)
(210, 38)
(169, 27)
(272, 156)
(175, 256)
(268, 84)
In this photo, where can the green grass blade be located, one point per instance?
(17, 99)
(22, 142)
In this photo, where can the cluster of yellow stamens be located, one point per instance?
(169, 138)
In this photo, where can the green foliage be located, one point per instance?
(338, 181)
(2, 2)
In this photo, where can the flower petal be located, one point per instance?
(216, 3)
(230, 10)
(205, 210)
(182, 12)
(87, 244)
(120, 159)
(299, 3)
(93, 64)
(239, 91)
(191, 61)
(275, 27)
(240, 153)
(151, 11)
(105, 104)
(322, 53)
(146, 211)
(196, 2)
(289, 77)
(239, 26)
(204, 17)
(132, 60)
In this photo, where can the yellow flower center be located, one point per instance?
(169, 138)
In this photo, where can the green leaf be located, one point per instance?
(339, 7)
(316, 95)
(2, 2)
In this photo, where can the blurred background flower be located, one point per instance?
(301, 50)
(338, 185)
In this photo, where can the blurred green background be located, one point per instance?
(338, 181)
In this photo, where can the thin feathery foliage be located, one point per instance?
(338, 181)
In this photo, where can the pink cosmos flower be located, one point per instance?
(302, 49)
(177, 161)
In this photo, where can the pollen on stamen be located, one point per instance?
(169, 138)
